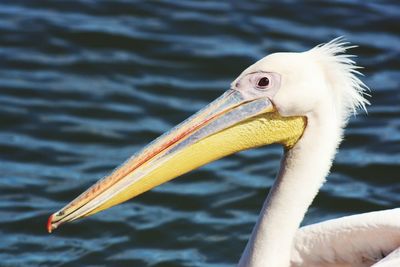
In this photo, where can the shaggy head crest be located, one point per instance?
(341, 71)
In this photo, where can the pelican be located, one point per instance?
(300, 100)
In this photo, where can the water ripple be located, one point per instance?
(84, 84)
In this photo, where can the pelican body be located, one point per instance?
(300, 100)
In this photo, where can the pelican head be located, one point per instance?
(272, 101)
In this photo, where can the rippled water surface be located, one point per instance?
(85, 84)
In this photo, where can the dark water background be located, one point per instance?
(85, 84)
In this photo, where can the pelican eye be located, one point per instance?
(263, 82)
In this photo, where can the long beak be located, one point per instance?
(231, 123)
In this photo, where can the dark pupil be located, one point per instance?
(264, 81)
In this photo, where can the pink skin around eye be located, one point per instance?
(252, 85)
(255, 79)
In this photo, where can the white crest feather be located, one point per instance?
(341, 69)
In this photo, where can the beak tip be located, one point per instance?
(49, 225)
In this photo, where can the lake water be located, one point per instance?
(85, 84)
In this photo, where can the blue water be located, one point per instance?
(85, 84)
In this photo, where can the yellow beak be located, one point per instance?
(232, 123)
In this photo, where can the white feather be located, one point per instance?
(341, 74)
(322, 85)
(358, 240)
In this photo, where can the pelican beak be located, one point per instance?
(231, 123)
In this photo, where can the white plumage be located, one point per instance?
(357, 241)
(320, 84)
